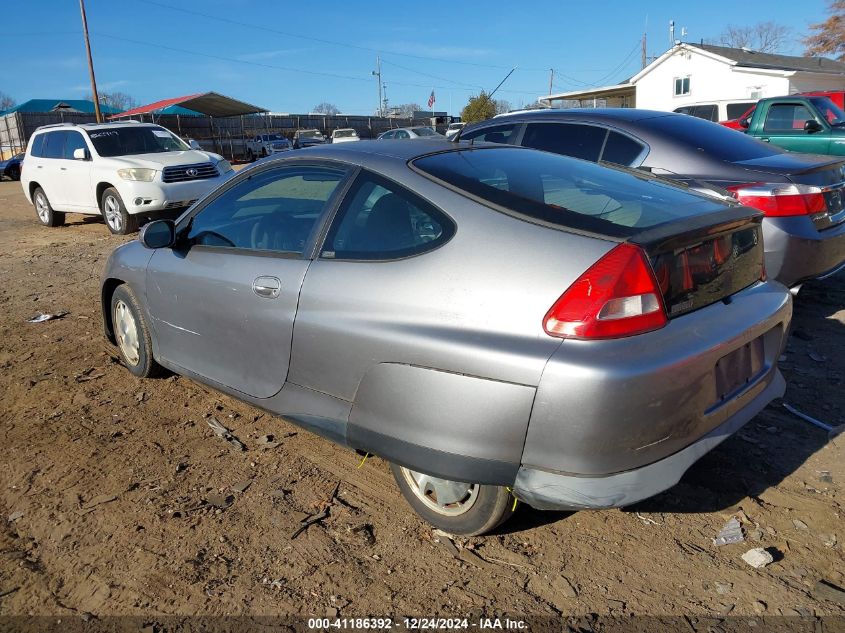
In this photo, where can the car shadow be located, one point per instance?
(775, 443)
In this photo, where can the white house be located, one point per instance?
(695, 73)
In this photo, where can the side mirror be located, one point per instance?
(158, 234)
(80, 153)
(811, 126)
(194, 144)
(744, 123)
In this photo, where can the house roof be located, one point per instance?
(209, 103)
(753, 59)
(60, 105)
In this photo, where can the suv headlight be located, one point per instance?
(141, 174)
(224, 166)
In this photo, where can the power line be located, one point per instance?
(321, 40)
(620, 66)
(283, 68)
(419, 72)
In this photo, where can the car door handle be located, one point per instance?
(267, 287)
(765, 139)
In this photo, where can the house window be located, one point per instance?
(681, 86)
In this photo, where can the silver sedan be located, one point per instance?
(497, 322)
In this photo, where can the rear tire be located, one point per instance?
(132, 334)
(15, 172)
(119, 221)
(44, 210)
(476, 509)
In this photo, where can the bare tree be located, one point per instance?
(829, 36)
(502, 106)
(6, 102)
(764, 37)
(406, 110)
(117, 100)
(329, 109)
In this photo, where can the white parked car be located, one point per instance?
(345, 135)
(266, 144)
(122, 171)
(411, 132)
(453, 129)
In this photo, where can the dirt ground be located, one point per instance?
(108, 486)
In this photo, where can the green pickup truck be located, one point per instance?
(815, 125)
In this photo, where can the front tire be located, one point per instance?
(119, 221)
(132, 334)
(455, 507)
(44, 210)
(15, 172)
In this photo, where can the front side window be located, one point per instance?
(381, 220)
(709, 112)
(273, 210)
(73, 141)
(736, 110)
(402, 134)
(578, 141)
(492, 134)
(128, 141)
(829, 110)
(787, 118)
(425, 131)
(681, 86)
(387, 135)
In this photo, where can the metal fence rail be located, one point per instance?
(226, 136)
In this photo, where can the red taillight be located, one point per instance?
(617, 296)
(780, 200)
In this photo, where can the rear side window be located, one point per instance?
(492, 134)
(54, 145)
(709, 112)
(736, 110)
(557, 190)
(37, 148)
(381, 220)
(787, 117)
(578, 141)
(621, 150)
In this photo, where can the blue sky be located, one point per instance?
(290, 56)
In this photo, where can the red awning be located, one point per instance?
(209, 103)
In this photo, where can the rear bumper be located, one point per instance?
(797, 252)
(547, 490)
(605, 409)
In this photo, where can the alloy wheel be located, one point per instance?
(111, 206)
(42, 207)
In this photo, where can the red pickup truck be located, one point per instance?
(838, 97)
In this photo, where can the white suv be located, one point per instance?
(122, 171)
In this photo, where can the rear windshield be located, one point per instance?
(424, 131)
(564, 191)
(127, 141)
(272, 137)
(714, 140)
(343, 133)
(309, 134)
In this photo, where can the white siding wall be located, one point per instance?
(710, 80)
(805, 82)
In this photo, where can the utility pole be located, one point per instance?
(90, 63)
(551, 79)
(377, 74)
(644, 60)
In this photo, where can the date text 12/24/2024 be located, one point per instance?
(375, 623)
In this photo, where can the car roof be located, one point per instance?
(97, 126)
(401, 149)
(609, 114)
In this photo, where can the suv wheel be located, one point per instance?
(114, 213)
(456, 507)
(44, 209)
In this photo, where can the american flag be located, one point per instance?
(431, 99)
